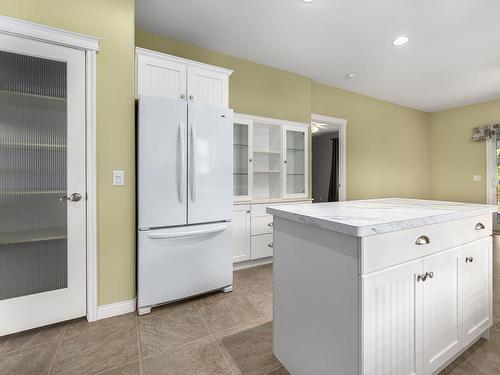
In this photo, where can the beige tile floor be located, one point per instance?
(217, 334)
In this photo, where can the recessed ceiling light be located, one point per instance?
(308, 1)
(350, 75)
(400, 40)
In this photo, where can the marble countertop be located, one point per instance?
(373, 216)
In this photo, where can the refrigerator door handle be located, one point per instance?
(181, 234)
(181, 165)
(193, 168)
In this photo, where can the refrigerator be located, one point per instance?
(185, 196)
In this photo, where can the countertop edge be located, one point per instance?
(370, 230)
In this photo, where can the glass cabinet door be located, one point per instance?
(242, 158)
(295, 162)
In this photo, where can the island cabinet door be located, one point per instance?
(475, 288)
(389, 341)
(440, 308)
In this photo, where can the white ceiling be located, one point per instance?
(452, 59)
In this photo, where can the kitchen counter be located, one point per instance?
(374, 216)
(380, 286)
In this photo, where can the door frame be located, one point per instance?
(89, 44)
(340, 125)
(491, 172)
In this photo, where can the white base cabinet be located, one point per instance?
(415, 310)
(253, 231)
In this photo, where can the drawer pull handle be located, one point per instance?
(469, 260)
(270, 224)
(422, 240)
(479, 226)
(270, 244)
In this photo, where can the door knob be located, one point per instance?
(75, 197)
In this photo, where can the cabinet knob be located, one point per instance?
(270, 244)
(430, 274)
(183, 96)
(422, 277)
(422, 240)
(479, 226)
(191, 97)
(285, 162)
(250, 160)
(248, 211)
(469, 260)
(270, 224)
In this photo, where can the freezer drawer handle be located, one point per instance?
(194, 171)
(193, 233)
(181, 165)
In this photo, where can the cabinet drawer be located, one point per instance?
(388, 249)
(262, 246)
(262, 225)
(260, 210)
(477, 227)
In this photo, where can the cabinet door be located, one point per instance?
(440, 309)
(208, 86)
(475, 288)
(242, 159)
(160, 77)
(241, 233)
(390, 299)
(295, 170)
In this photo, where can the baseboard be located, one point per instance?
(252, 263)
(114, 309)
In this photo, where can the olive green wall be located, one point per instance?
(253, 88)
(112, 21)
(387, 144)
(455, 158)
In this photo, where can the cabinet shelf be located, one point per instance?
(32, 192)
(37, 235)
(240, 173)
(264, 171)
(239, 145)
(266, 152)
(295, 149)
(34, 146)
(31, 95)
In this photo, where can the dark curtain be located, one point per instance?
(333, 191)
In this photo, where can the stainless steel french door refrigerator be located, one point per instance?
(185, 193)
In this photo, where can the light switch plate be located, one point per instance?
(118, 178)
(476, 178)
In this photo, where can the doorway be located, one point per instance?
(328, 158)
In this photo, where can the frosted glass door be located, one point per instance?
(295, 150)
(42, 140)
(241, 158)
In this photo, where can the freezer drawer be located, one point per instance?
(180, 262)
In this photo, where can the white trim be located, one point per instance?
(271, 121)
(252, 263)
(342, 124)
(114, 309)
(166, 56)
(91, 166)
(491, 171)
(34, 31)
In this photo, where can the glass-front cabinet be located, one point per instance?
(295, 142)
(270, 159)
(242, 159)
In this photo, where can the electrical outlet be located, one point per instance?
(119, 178)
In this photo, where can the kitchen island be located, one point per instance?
(380, 287)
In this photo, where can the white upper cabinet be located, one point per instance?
(295, 163)
(160, 77)
(163, 75)
(271, 158)
(208, 86)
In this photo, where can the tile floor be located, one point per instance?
(220, 334)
